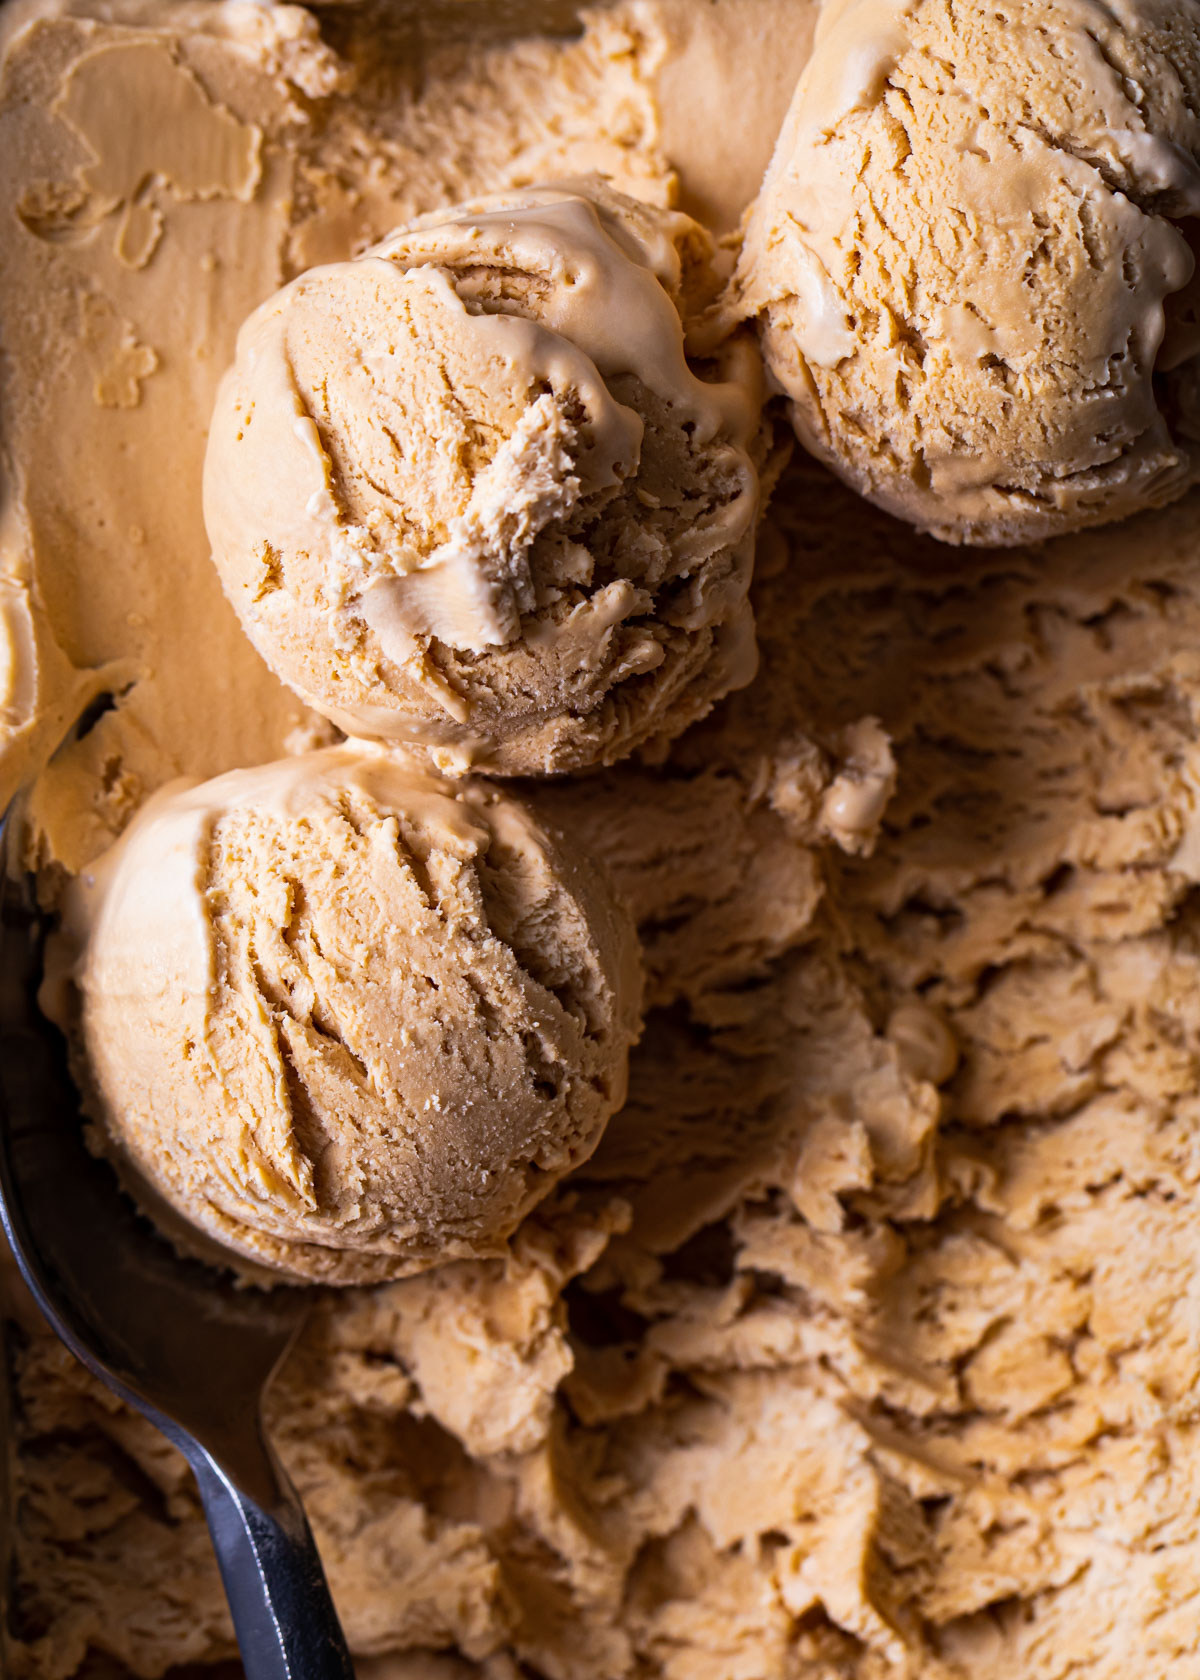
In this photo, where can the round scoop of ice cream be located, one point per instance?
(345, 1018)
(966, 261)
(467, 490)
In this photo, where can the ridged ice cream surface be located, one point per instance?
(347, 1019)
(970, 261)
(467, 490)
(863, 1342)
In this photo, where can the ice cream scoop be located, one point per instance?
(345, 1018)
(467, 490)
(178, 1342)
(967, 264)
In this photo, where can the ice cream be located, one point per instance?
(132, 157)
(865, 1343)
(348, 1019)
(467, 490)
(968, 263)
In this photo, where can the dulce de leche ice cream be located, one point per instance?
(348, 1019)
(859, 1342)
(967, 259)
(466, 490)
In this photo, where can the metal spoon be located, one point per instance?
(174, 1338)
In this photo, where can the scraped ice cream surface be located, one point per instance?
(971, 259)
(467, 490)
(859, 1339)
(349, 1020)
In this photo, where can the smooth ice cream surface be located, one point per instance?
(970, 260)
(346, 1018)
(468, 491)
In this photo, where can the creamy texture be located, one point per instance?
(864, 1345)
(136, 167)
(722, 78)
(467, 492)
(864, 1341)
(106, 578)
(970, 265)
(348, 1019)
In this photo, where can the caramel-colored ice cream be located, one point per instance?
(970, 261)
(139, 164)
(467, 491)
(864, 1343)
(348, 1019)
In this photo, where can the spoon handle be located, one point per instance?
(283, 1615)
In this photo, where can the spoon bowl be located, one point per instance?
(175, 1338)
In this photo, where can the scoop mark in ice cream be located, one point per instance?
(120, 361)
(467, 490)
(152, 135)
(349, 1019)
(966, 264)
